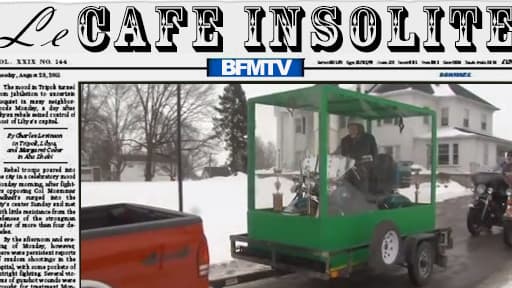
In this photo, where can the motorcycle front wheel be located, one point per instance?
(507, 233)
(474, 221)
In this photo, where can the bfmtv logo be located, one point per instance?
(223, 67)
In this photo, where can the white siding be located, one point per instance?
(389, 134)
(457, 112)
(411, 149)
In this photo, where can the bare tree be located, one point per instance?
(198, 140)
(265, 154)
(158, 118)
(118, 118)
(92, 138)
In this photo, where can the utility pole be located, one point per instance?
(180, 178)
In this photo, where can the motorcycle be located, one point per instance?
(489, 203)
(307, 186)
(507, 217)
(345, 195)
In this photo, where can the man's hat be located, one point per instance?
(355, 121)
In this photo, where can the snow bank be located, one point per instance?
(444, 191)
(221, 202)
(422, 170)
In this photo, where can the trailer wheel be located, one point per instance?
(386, 247)
(507, 233)
(420, 263)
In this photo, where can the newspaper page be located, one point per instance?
(255, 144)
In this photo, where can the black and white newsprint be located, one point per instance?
(127, 149)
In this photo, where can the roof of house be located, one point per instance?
(457, 132)
(431, 89)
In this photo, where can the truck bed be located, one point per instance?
(109, 220)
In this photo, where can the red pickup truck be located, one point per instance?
(127, 245)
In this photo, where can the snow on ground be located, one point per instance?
(221, 202)
(422, 170)
(444, 191)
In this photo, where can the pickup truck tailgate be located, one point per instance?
(127, 245)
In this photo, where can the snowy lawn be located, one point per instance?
(221, 202)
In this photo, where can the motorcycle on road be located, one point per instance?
(507, 217)
(489, 203)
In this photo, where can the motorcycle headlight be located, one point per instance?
(480, 188)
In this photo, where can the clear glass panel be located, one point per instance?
(286, 144)
(371, 166)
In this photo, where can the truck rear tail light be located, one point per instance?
(203, 258)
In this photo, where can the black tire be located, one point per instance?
(386, 247)
(420, 263)
(474, 222)
(507, 233)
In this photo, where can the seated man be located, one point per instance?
(362, 147)
(506, 166)
(357, 143)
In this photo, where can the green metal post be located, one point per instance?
(251, 127)
(323, 144)
(369, 126)
(433, 168)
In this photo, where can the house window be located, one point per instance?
(379, 122)
(444, 116)
(298, 158)
(455, 154)
(465, 121)
(484, 122)
(444, 154)
(300, 125)
(486, 153)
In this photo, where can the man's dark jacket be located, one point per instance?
(364, 144)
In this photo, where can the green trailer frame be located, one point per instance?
(332, 243)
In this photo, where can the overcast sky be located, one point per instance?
(499, 95)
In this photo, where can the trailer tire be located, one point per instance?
(420, 263)
(386, 247)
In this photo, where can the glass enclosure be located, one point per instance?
(326, 151)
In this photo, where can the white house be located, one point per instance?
(464, 121)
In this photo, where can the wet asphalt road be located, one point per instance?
(472, 261)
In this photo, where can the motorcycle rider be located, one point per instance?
(506, 166)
